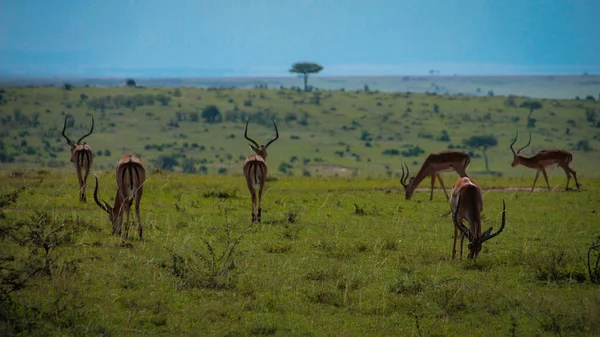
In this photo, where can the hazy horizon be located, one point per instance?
(130, 38)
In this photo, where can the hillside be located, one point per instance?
(322, 133)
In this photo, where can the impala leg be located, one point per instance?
(546, 178)
(443, 187)
(575, 176)
(127, 209)
(260, 192)
(454, 245)
(83, 188)
(537, 175)
(569, 171)
(84, 182)
(432, 186)
(81, 183)
(137, 213)
(254, 217)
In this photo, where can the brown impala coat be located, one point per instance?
(434, 164)
(255, 171)
(466, 203)
(542, 159)
(130, 176)
(82, 157)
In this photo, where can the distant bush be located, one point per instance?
(413, 152)
(130, 82)
(510, 102)
(531, 123)
(590, 115)
(163, 99)
(583, 145)
(391, 152)
(166, 163)
(365, 136)
(285, 168)
(444, 137)
(425, 135)
(189, 165)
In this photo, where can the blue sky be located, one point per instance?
(119, 38)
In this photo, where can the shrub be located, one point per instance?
(390, 152)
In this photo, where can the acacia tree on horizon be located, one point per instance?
(306, 68)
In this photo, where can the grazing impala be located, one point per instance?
(82, 156)
(467, 204)
(255, 171)
(131, 176)
(435, 164)
(544, 158)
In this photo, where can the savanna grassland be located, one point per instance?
(339, 251)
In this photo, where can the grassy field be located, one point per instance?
(339, 252)
(333, 256)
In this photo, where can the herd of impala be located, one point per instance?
(466, 201)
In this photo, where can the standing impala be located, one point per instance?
(130, 175)
(255, 171)
(435, 164)
(467, 204)
(82, 156)
(544, 158)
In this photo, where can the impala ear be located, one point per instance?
(253, 148)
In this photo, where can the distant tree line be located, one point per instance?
(118, 101)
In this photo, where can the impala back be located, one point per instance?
(255, 168)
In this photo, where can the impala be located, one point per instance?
(467, 204)
(82, 156)
(130, 175)
(255, 171)
(544, 158)
(436, 163)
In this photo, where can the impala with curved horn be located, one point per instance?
(255, 171)
(433, 166)
(130, 175)
(82, 156)
(544, 158)
(467, 204)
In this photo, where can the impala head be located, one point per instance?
(260, 150)
(476, 242)
(407, 182)
(78, 142)
(112, 213)
(516, 158)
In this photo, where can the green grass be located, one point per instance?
(317, 265)
(341, 133)
(340, 252)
